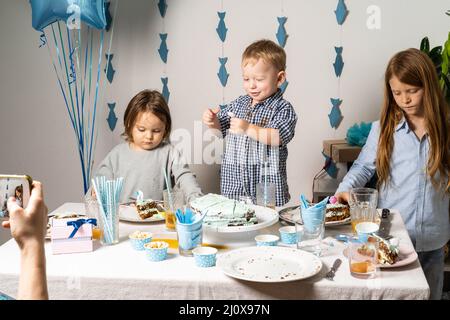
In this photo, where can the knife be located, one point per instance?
(385, 223)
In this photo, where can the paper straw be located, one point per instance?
(102, 211)
(169, 189)
(265, 184)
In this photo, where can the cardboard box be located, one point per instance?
(340, 151)
(61, 243)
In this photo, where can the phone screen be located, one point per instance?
(10, 186)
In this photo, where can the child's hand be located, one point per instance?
(342, 197)
(210, 117)
(238, 126)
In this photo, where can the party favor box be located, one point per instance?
(65, 240)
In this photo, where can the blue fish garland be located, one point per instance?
(112, 119)
(43, 39)
(163, 51)
(165, 90)
(108, 16)
(73, 73)
(335, 115)
(109, 70)
(221, 27)
(341, 12)
(162, 6)
(223, 74)
(222, 106)
(330, 166)
(281, 32)
(284, 85)
(338, 62)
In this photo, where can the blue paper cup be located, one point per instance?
(189, 237)
(205, 257)
(266, 240)
(288, 235)
(365, 229)
(139, 239)
(156, 251)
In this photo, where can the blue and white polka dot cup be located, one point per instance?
(288, 235)
(205, 257)
(139, 239)
(266, 240)
(156, 251)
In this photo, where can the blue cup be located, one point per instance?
(189, 237)
(205, 257)
(139, 239)
(365, 229)
(288, 235)
(266, 240)
(156, 251)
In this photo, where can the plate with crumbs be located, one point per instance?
(269, 264)
(292, 214)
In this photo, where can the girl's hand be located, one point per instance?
(28, 225)
(239, 126)
(342, 197)
(210, 117)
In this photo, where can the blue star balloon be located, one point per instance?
(335, 115)
(163, 51)
(223, 74)
(341, 12)
(112, 119)
(162, 6)
(281, 32)
(165, 90)
(45, 12)
(222, 28)
(109, 70)
(283, 86)
(338, 62)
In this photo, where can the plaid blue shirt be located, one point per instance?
(243, 160)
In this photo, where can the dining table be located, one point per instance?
(120, 272)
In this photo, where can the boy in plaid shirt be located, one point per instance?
(257, 126)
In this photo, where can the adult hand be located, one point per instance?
(29, 224)
(342, 197)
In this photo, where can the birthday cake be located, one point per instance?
(146, 208)
(222, 212)
(337, 212)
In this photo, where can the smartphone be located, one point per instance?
(18, 186)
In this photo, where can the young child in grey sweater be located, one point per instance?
(147, 150)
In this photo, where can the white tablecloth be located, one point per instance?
(119, 272)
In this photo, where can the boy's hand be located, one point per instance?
(239, 126)
(210, 117)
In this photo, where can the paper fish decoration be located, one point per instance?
(330, 166)
(335, 115)
(281, 33)
(165, 90)
(338, 62)
(43, 40)
(108, 16)
(221, 28)
(163, 47)
(223, 75)
(284, 85)
(341, 12)
(222, 106)
(109, 70)
(112, 119)
(162, 6)
(73, 73)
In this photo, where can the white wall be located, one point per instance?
(36, 137)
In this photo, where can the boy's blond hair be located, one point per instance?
(267, 50)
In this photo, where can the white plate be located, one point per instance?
(266, 217)
(292, 214)
(129, 213)
(269, 264)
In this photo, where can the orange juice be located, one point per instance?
(170, 220)
(362, 267)
(96, 233)
(354, 223)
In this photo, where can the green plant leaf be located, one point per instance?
(425, 45)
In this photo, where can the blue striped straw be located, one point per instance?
(169, 189)
(99, 192)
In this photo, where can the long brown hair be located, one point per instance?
(415, 68)
(144, 101)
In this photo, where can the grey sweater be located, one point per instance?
(143, 170)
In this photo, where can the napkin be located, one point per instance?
(311, 215)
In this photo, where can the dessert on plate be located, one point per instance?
(146, 208)
(387, 252)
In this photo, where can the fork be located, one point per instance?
(330, 274)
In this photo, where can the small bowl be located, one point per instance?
(138, 239)
(205, 257)
(156, 250)
(266, 240)
(288, 235)
(364, 229)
